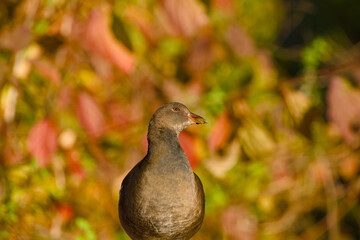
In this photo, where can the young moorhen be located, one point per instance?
(161, 197)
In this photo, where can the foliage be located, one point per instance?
(277, 81)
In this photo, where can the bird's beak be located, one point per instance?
(196, 118)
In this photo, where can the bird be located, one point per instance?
(161, 197)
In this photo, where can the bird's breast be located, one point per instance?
(161, 200)
(170, 201)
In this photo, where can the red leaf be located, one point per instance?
(42, 141)
(186, 16)
(225, 5)
(188, 143)
(123, 114)
(47, 70)
(74, 164)
(201, 55)
(90, 115)
(97, 37)
(65, 96)
(220, 133)
(143, 21)
(240, 41)
(16, 38)
(65, 211)
(344, 108)
(239, 223)
(12, 156)
(119, 115)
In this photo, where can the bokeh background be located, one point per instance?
(278, 82)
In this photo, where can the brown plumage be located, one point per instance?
(161, 197)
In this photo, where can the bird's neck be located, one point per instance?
(163, 139)
(164, 146)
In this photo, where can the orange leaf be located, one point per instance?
(188, 143)
(98, 38)
(320, 172)
(90, 115)
(220, 133)
(349, 167)
(42, 141)
(186, 16)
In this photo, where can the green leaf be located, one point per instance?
(318, 51)
(89, 233)
(171, 47)
(41, 27)
(119, 30)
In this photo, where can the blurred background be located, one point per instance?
(278, 82)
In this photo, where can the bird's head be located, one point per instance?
(175, 116)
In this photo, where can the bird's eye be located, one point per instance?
(176, 109)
